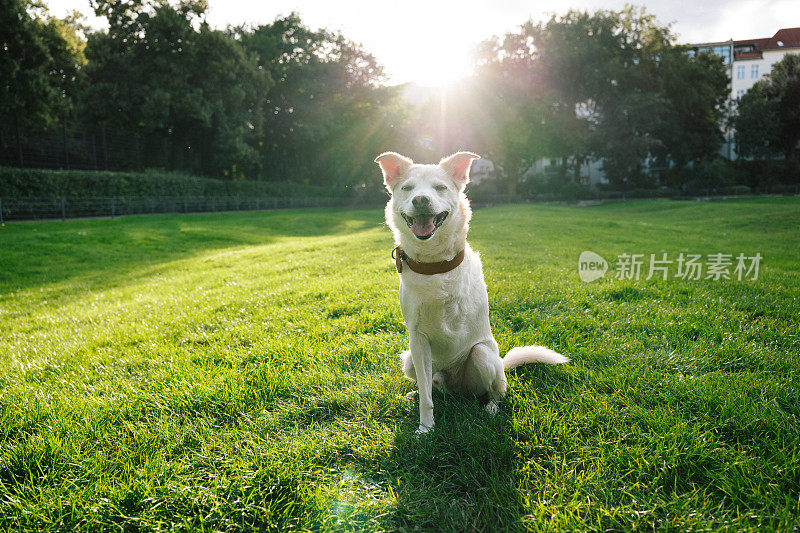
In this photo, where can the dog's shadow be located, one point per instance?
(463, 475)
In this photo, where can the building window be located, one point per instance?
(753, 71)
(739, 93)
(740, 72)
(724, 52)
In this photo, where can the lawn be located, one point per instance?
(239, 371)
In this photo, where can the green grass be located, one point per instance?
(240, 372)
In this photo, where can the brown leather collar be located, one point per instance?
(425, 268)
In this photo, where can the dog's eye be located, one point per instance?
(406, 187)
(441, 188)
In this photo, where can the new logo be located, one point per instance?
(591, 266)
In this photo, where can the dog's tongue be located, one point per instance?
(422, 226)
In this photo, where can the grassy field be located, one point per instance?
(240, 372)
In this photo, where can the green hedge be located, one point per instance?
(76, 184)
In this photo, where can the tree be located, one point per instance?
(575, 57)
(695, 90)
(161, 72)
(608, 86)
(324, 113)
(508, 110)
(757, 123)
(67, 59)
(279, 101)
(40, 65)
(768, 115)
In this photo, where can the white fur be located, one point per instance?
(450, 340)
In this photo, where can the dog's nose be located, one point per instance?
(420, 201)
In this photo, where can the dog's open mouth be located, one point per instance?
(424, 225)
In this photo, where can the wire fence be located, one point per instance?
(64, 208)
(38, 208)
(69, 148)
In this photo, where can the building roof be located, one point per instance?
(783, 38)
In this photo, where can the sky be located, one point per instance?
(431, 42)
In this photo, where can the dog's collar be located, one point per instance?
(425, 268)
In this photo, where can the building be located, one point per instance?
(753, 58)
(748, 61)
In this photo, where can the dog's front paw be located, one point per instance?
(423, 430)
(492, 408)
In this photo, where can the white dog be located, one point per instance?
(442, 292)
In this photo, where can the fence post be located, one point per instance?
(166, 154)
(112, 207)
(63, 209)
(213, 203)
(105, 149)
(237, 202)
(66, 146)
(138, 153)
(1, 210)
(94, 150)
(19, 140)
(57, 150)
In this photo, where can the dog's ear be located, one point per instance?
(457, 166)
(393, 166)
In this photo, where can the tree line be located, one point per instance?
(283, 102)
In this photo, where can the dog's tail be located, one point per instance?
(522, 355)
